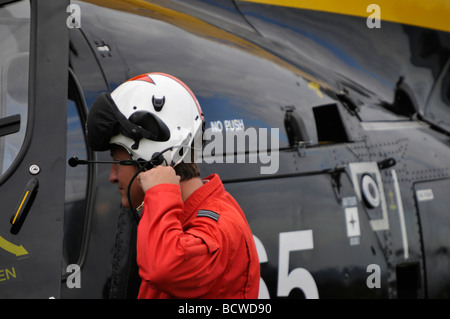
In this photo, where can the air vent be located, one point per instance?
(329, 125)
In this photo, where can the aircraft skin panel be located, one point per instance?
(432, 198)
(344, 52)
(342, 176)
(338, 272)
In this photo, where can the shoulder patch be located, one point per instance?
(208, 213)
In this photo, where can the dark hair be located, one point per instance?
(187, 171)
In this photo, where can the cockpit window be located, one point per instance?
(14, 57)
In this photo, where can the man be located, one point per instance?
(193, 239)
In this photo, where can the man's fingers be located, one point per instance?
(158, 175)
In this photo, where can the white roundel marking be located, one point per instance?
(370, 191)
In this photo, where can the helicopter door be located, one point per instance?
(33, 102)
(433, 201)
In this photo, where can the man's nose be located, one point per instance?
(113, 178)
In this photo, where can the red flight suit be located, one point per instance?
(202, 248)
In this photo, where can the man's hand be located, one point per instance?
(158, 175)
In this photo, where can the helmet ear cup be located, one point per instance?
(151, 123)
(103, 122)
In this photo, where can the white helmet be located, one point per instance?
(146, 115)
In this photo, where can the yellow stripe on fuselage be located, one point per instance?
(433, 14)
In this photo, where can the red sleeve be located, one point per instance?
(182, 264)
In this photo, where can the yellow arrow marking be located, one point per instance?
(392, 206)
(316, 87)
(11, 248)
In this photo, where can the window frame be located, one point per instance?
(31, 109)
(92, 171)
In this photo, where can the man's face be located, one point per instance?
(121, 175)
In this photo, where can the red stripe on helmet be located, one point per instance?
(142, 77)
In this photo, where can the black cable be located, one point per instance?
(133, 210)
